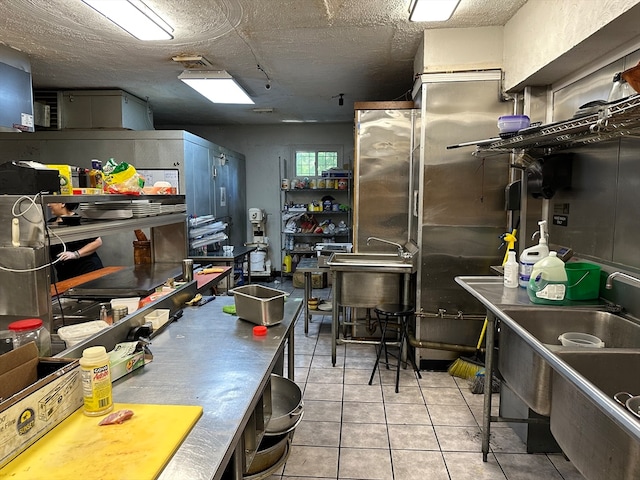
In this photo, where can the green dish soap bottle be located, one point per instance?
(548, 282)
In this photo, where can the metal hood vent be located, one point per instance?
(192, 62)
(95, 110)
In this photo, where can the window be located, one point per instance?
(311, 162)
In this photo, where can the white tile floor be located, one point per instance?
(429, 430)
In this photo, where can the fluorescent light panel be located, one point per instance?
(218, 86)
(134, 17)
(432, 10)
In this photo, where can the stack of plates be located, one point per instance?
(146, 209)
(102, 214)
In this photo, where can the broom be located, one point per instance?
(467, 368)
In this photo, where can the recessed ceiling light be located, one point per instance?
(431, 10)
(217, 86)
(134, 17)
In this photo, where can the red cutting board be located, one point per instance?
(136, 449)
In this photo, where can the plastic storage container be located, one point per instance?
(578, 339)
(96, 381)
(31, 330)
(132, 303)
(583, 281)
(548, 282)
(74, 334)
(158, 317)
(513, 123)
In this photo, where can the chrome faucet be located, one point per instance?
(624, 276)
(401, 251)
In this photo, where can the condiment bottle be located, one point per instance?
(96, 381)
(31, 330)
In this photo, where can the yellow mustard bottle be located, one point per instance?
(96, 381)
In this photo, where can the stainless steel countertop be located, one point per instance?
(212, 359)
(491, 293)
(137, 280)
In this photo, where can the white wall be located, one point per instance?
(265, 147)
(544, 31)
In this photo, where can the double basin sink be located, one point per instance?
(600, 437)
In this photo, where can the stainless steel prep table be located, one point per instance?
(212, 359)
(222, 258)
(309, 266)
(492, 294)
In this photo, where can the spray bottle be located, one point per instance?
(531, 255)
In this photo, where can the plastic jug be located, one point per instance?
(286, 264)
(548, 282)
(531, 255)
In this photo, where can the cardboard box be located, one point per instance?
(66, 186)
(124, 359)
(38, 394)
(318, 280)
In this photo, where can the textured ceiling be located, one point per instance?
(311, 50)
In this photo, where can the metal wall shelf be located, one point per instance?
(614, 120)
(109, 227)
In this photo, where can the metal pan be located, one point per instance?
(287, 406)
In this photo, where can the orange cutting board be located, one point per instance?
(136, 449)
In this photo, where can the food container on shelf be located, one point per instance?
(74, 334)
(259, 305)
(133, 303)
(513, 123)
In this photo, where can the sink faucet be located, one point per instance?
(401, 251)
(629, 278)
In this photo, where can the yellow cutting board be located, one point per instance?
(137, 449)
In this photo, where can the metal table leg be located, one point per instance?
(307, 294)
(335, 315)
(488, 378)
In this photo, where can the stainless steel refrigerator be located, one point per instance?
(409, 187)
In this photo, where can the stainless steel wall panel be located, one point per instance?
(589, 204)
(627, 221)
(381, 171)
(24, 294)
(462, 211)
(477, 250)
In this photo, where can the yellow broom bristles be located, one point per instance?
(462, 368)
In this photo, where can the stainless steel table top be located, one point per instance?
(212, 359)
(221, 255)
(310, 265)
(136, 280)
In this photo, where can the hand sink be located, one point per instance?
(527, 373)
(379, 262)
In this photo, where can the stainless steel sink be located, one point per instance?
(72, 311)
(365, 280)
(527, 373)
(384, 262)
(584, 427)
